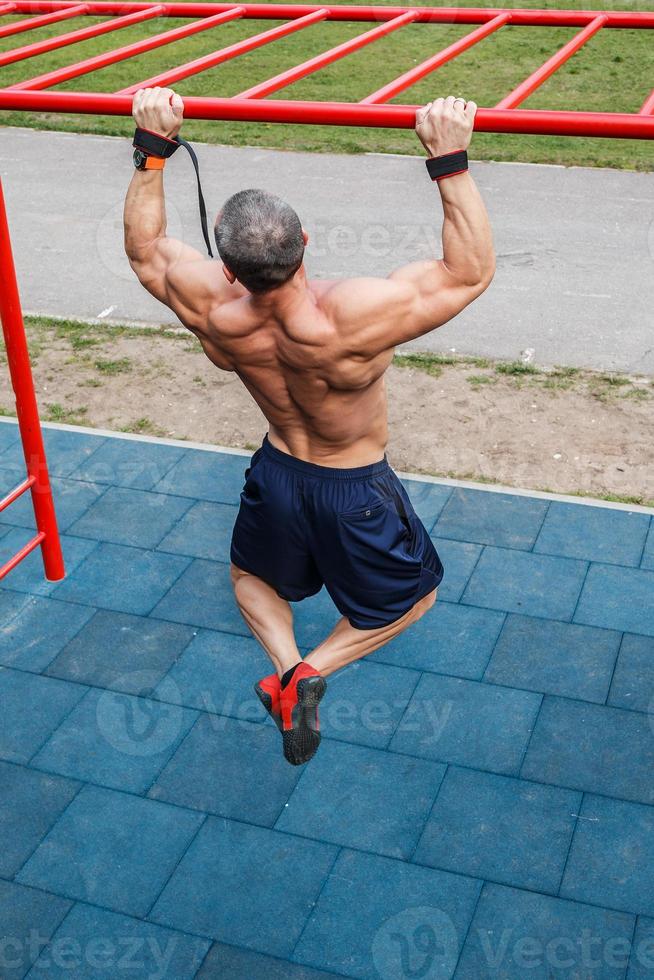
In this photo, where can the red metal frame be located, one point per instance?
(37, 481)
(251, 104)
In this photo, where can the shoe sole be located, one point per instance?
(301, 742)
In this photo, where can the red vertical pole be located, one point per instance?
(20, 370)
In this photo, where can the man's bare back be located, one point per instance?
(313, 354)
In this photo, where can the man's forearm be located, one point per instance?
(467, 238)
(144, 216)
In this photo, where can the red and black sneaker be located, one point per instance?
(301, 690)
(267, 690)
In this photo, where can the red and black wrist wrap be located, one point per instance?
(154, 144)
(447, 165)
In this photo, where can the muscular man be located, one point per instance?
(320, 505)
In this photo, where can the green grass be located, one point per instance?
(144, 426)
(609, 73)
(516, 368)
(54, 412)
(120, 366)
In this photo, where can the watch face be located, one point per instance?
(139, 158)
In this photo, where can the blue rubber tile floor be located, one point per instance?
(480, 806)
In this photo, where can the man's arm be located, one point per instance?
(175, 273)
(419, 297)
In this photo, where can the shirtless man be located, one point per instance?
(320, 505)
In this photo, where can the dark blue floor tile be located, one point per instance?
(633, 681)
(502, 829)
(502, 519)
(204, 532)
(131, 517)
(116, 740)
(72, 498)
(28, 918)
(11, 604)
(202, 596)
(618, 599)
(381, 918)
(611, 860)
(224, 766)
(365, 702)
(459, 559)
(112, 849)
(593, 748)
(593, 533)
(123, 579)
(230, 961)
(29, 576)
(535, 585)
(211, 892)
(9, 434)
(216, 673)
(648, 552)
(517, 934)
(468, 723)
(30, 803)
(314, 619)
(428, 499)
(555, 658)
(641, 962)
(101, 944)
(207, 476)
(121, 652)
(345, 797)
(129, 463)
(38, 632)
(65, 450)
(449, 639)
(32, 707)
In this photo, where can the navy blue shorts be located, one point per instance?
(300, 526)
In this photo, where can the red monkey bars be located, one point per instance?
(251, 104)
(37, 481)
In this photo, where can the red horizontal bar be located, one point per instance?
(128, 51)
(17, 492)
(647, 107)
(7, 8)
(412, 76)
(431, 15)
(326, 58)
(537, 121)
(224, 54)
(541, 74)
(49, 44)
(23, 553)
(30, 23)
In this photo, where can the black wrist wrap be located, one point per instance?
(154, 144)
(447, 165)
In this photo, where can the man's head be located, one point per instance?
(260, 240)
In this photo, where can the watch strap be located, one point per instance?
(154, 163)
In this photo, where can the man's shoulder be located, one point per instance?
(357, 296)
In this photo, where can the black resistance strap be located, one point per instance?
(162, 146)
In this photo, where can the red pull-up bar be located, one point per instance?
(251, 104)
(37, 480)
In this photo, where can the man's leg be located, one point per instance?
(269, 617)
(346, 643)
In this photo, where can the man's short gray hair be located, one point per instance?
(259, 238)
